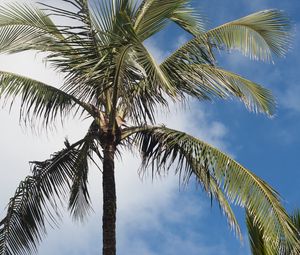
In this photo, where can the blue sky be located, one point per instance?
(157, 218)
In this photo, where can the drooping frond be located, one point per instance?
(162, 147)
(39, 101)
(214, 81)
(205, 81)
(35, 202)
(79, 201)
(210, 185)
(132, 136)
(260, 247)
(257, 244)
(258, 35)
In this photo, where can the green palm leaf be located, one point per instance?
(26, 27)
(257, 243)
(79, 201)
(153, 15)
(219, 82)
(257, 35)
(189, 19)
(162, 147)
(296, 218)
(38, 100)
(205, 81)
(260, 247)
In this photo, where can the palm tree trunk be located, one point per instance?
(109, 200)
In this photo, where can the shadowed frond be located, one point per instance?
(296, 219)
(261, 247)
(257, 244)
(257, 35)
(194, 52)
(35, 202)
(38, 100)
(79, 201)
(162, 147)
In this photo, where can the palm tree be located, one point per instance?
(111, 79)
(260, 246)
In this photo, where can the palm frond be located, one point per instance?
(295, 216)
(205, 82)
(79, 201)
(72, 49)
(189, 19)
(26, 27)
(214, 81)
(161, 147)
(203, 177)
(197, 51)
(260, 247)
(93, 69)
(141, 82)
(257, 243)
(258, 35)
(153, 15)
(35, 202)
(212, 188)
(38, 100)
(83, 52)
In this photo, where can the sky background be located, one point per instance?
(157, 218)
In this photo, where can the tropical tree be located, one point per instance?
(259, 246)
(111, 79)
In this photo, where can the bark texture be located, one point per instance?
(109, 200)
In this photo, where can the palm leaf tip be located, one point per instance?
(258, 35)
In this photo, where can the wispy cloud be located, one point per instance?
(291, 98)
